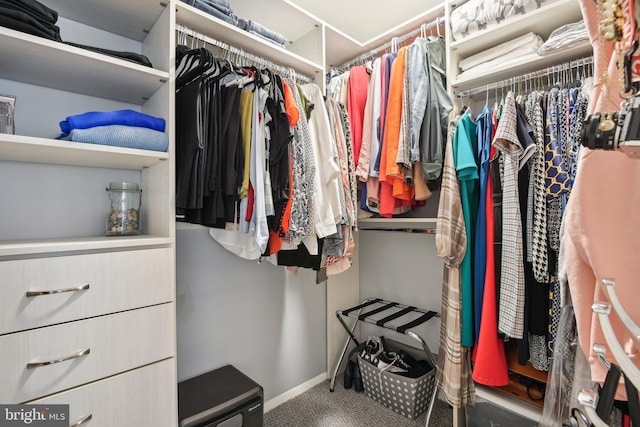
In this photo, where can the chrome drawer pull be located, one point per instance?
(81, 353)
(58, 291)
(82, 420)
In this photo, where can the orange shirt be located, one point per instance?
(391, 177)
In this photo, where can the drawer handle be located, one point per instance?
(58, 291)
(81, 353)
(82, 420)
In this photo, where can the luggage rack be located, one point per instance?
(377, 317)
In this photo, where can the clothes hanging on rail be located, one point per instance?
(512, 198)
(398, 122)
(259, 155)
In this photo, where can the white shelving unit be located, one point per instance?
(56, 65)
(52, 233)
(17, 148)
(540, 21)
(523, 65)
(211, 26)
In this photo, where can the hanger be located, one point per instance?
(601, 351)
(486, 101)
(603, 309)
(589, 399)
(609, 284)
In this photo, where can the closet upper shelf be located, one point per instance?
(215, 28)
(129, 18)
(526, 64)
(540, 21)
(56, 65)
(51, 151)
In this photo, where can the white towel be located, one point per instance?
(565, 37)
(527, 54)
(522, 42)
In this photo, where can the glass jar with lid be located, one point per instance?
(124, 216)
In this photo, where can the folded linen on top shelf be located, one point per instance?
(565, 37)
(122, 136)
(105, 118)
(500, 50)
(31, 17)
(507, 57)
(479, 15)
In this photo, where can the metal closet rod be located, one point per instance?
(556, 69)
(390, 44)
(235, 52)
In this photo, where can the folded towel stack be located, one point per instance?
(122, 128)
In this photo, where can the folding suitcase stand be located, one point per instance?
(385, 322)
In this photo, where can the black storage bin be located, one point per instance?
(222, 398)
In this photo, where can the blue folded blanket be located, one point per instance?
(105, 118)
(122, 136)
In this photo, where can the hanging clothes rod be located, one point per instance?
(236, 55)
(392, 44)
(512, 81)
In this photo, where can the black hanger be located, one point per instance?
(195, 70)
(608, 391)
(633, 401)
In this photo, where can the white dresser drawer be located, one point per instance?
(144, 397)
(116, 343)
(116, 281)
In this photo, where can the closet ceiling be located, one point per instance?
(365, 20)
(353, 26)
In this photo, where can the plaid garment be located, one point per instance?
(512, 291)
(453, 376)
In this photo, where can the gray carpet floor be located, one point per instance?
(318, 407)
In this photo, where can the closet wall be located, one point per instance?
(266, 321)
(403, 267)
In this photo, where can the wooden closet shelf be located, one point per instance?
(527, 370)
(519, 390)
